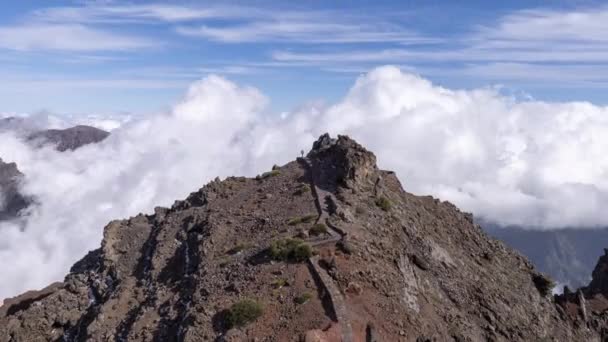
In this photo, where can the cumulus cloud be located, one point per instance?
(530, 163)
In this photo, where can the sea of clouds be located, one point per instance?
(529, 163)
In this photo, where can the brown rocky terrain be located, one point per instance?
(385, 266)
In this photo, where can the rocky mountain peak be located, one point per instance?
(324, 248)
(343, 161)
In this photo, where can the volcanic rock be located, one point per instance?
(169, 276)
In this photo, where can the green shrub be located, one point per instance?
(304, 219)
(275, 167)
(304, 188)
(345, 246)
(302, 252)
(290, 250)
(244, 312)
(384, 203)
(303, 298)
(271, 174)
(318, 229)
(279, 283)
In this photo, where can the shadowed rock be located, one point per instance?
(12, 201)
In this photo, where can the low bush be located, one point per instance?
(243, 313)
(290, 250)
(303, 298)
(383, 203)
(304, 219)
(279, 283)
(318, 229)
(271, 174)
(304, 188)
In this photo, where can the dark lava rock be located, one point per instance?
(164, 277)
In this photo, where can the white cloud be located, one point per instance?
(67, 37)
(309, 30)
(245, 24)
(532, 163)
(550, 26)
(111, 13)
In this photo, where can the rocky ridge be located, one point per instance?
(388, 266)
(68, 139)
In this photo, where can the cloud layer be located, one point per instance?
(529, 163)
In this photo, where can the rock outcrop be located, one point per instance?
(587, 307)
(387, 266)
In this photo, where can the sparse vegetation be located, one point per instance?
(303, 298)
(304, 219)
(302, 189)
(290, 250)
(384, 203)
(279, 283)
(345, 247)
(275, 167)
(268, 174)
(271, 174)
(243, 313)
(318, 229)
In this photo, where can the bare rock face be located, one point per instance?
(399, 268)
(588, 306)
(12, 201)
(70, 138)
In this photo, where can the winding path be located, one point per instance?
(336, 234)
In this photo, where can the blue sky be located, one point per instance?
(95, 57)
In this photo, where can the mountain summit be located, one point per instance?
(324, 248)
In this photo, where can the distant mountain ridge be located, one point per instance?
(61, 139)
(68, 139)
(568, 255)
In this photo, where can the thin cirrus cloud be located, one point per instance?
(306, 32)
(140, 13)
(533, 36)
(246, 24)
(67, 37)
